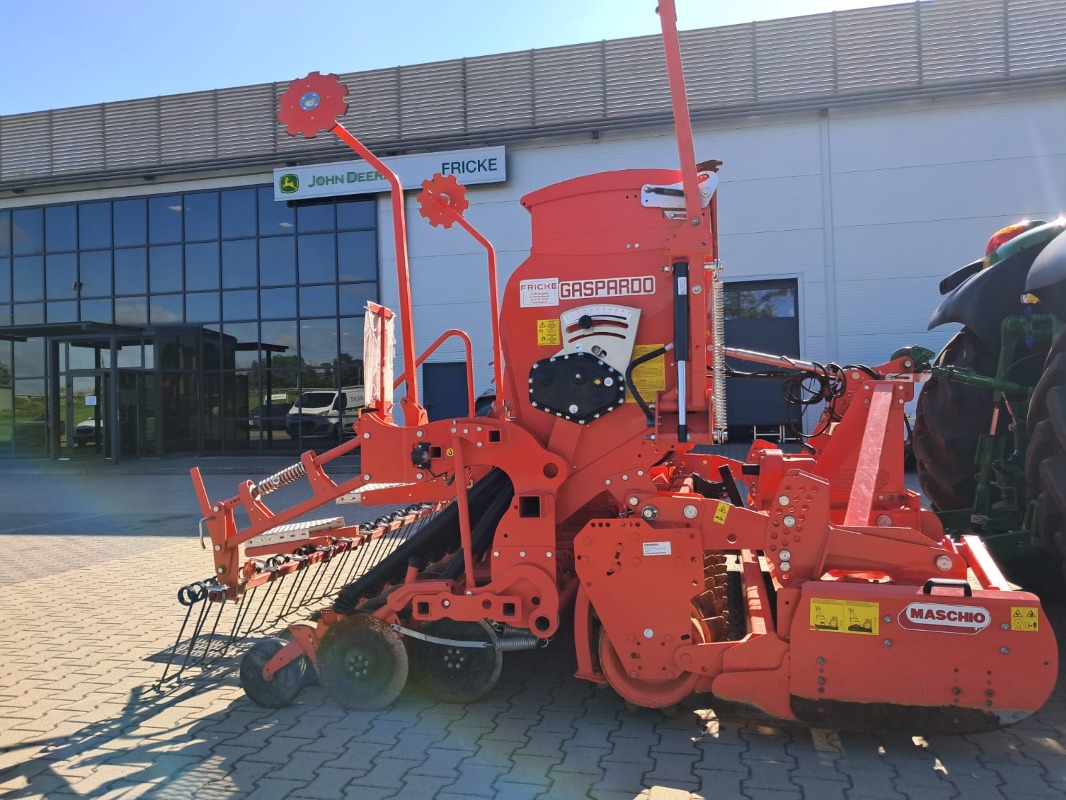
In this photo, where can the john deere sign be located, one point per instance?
(481, 165)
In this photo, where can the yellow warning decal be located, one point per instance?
(721, 513)
(549, 332)
(845, 616)
(649, 377)
(1024, 618)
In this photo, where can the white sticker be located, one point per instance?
(607, 287)
(656, 548)
(944, 618)
(539, 292)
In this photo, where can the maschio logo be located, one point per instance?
(944, 618)
(289, 183)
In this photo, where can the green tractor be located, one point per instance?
(989, 436)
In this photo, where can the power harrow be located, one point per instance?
(810, 587)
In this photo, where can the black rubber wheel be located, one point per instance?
(286, 684)
(948, 423)
(362, 663)
(1045, 461)
(310, 672)
(457, 674)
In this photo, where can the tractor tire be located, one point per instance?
(948, 424)
(1045, 460)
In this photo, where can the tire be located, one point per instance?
(948, 424)
(286, 684)
(1045, 460)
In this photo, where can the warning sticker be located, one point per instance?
(845, 616)
(721, 513)
(656, 548)
(549, 332)
(538, 292)
(649, 377)
(1023, 618)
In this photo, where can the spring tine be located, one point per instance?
(262, 611)
(339, 562)
(314, 583)
(265, 605)
(243, 606)
(291, 604)
(174, 649)
(210, 640)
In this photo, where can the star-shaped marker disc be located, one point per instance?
(438, 194)
(312, 104)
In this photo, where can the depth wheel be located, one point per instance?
(949, 420)
(457, 674)
(1045, 459)
(641, 691)
(362, 663)
(310, 671)
(286, 684)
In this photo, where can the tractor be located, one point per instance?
(990, 428)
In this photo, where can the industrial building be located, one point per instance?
(176, 271)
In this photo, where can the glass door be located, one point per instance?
(86, 423)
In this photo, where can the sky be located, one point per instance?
(64, 53)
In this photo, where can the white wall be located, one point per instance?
(867, 208)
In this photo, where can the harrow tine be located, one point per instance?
(265, 604)
(191, 596)
(337, 562)
(262, 611)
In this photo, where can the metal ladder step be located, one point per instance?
(356, 496)
(295, 531)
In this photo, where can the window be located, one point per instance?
(201, 216)
(131, 222)
(164, 219)
(61, 276)
(317, 258)
(95, 273)
(201, 266)
(760, 300)
(238, 213)
(274, 218)
(60, 228)
(131, 271)
(94, 226)
(164, 268)
(27, 231)
(238, 263)
(277, 262)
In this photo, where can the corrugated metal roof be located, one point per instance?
(816, 61)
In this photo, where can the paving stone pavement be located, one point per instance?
(86, 616)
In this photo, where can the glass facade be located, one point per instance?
(276, 294)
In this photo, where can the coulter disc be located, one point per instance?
(362, 663)
(457, 674)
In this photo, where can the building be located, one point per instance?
(162, 292)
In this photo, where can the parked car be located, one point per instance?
(86, 432)
(270, 417)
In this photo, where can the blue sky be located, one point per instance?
(62, 53)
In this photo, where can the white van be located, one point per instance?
(324, 412)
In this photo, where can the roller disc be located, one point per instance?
(286, 684)
(457, 674)
(362, 663)
(640, 691)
